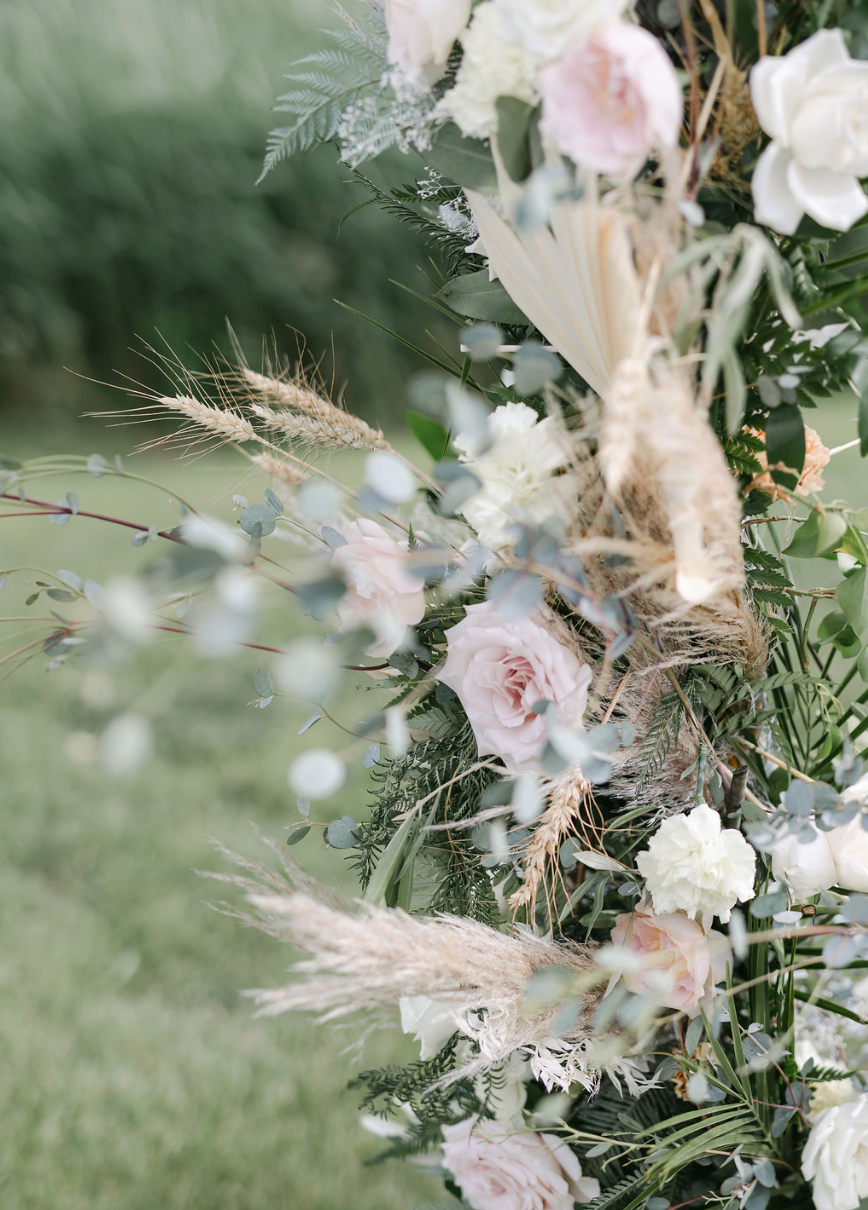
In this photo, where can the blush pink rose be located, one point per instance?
(382, 592)
(421, 35)
(680, 962)
(607, 103)
(500, 670)
(498, 1169)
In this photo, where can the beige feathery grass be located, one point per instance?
(223, 422)
(366, 958)
(290, 474)
(303, 414)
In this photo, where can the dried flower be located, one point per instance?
(817, 457)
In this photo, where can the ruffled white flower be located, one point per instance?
(517, 473)
(813, 102)
(549, 28)
(836, 1156)
(492, 67)
(693, 865)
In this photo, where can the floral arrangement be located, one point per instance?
(614, 873)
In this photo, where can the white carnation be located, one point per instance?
(693, 865)
(517, 473)
(492, 67)
(836, 1156)
(549, 28)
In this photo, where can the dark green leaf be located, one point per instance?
(475, 296)
(430, 434)
(785, 443)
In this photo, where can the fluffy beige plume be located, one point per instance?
(367, 958)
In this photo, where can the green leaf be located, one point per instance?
(474, 295)
(863, 423)
(818, 536)
(262, 683)
(391, 862)
(513, 128)
(342, 833)
(465, 161)
(852, 596)
(298, 834)
(785, 443)
(430, 434)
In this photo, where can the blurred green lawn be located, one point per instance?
(134, 1075)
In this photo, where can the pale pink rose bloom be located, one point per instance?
(500, 670)
(497, 1169)
(612, 99)
(421, 35)
(681, 963)
(382, 592)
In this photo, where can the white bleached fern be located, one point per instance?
(325, 85)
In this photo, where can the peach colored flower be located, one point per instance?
(498, 1169)
(501, 669)
(612, 99)
(382, 592)
(811, 479)
(681, 963)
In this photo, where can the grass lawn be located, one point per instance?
(134, 1075)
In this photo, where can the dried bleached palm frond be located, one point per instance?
(366, 958)
(575, 280)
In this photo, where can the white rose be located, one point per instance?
(549, 28)
(849, 848)
(517, 473)
(830, 1093)
(421, 35)
(806, 866)
(499, 1169)
(492, 66)
(836, 1156)
(429, 1021)
(692, 865)
(813, 102)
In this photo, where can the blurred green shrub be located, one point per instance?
(130, 146)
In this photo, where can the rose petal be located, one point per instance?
(831, 199)
(775, 205)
